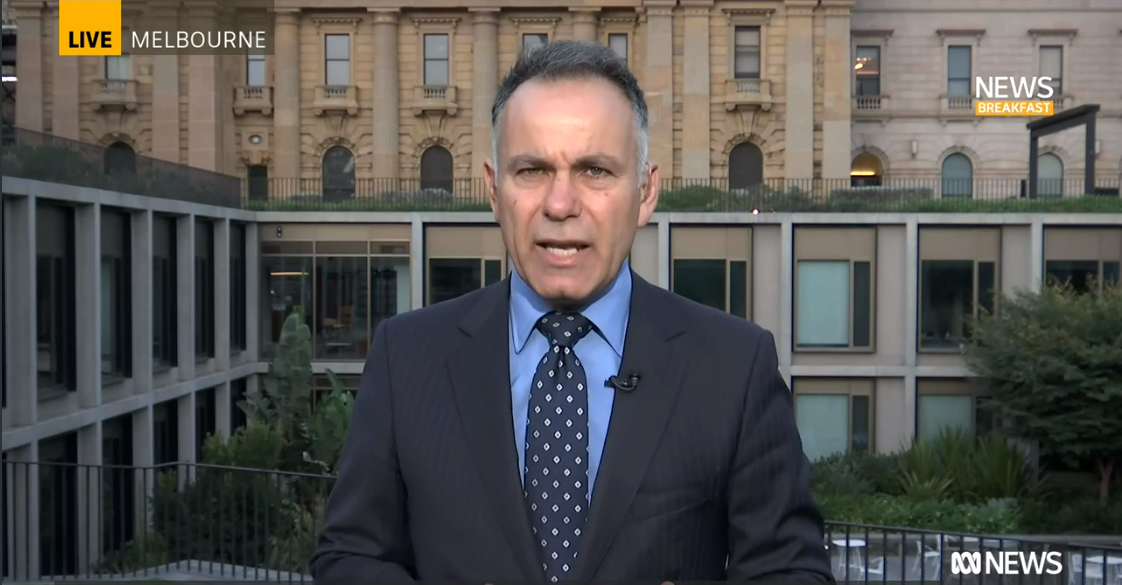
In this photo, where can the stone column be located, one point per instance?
(696, 89)
(484, 84)
(165, 90)
(836, 111)
(87, 326)
(286, 95)
(659, 86)
(387, 134)
(29, 47)
(799, 156)
(222, 294)
(185, 296)
(204, 135)
(64, 86)
(584, 23)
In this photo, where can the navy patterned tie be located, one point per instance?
(556, 473)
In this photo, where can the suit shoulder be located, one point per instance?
(712, 322)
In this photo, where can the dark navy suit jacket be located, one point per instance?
(703, 475)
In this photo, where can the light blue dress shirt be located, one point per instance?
(600, 353)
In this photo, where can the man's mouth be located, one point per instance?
(563, 249)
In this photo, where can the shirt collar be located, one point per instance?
(609, 313)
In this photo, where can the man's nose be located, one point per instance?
(562, 200)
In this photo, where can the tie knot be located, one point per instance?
(564, 329)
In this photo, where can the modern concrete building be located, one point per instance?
(738, 90)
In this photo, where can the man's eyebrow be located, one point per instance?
(597, 160)
(527, 160)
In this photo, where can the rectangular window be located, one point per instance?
(118, 483)
(341, 290)
(721, 284)
(617, 42)
(286, 288)
(337, 57)
(390, 290)
(116, 294)
(1052, 65)
(950, 406)
(959, 68)
(237, 287)
(118, 68)
(449, 278)
(746, 52)
(238, 419)
(55, 297)
(204, 289)
(834, 291)
(951, 294)
(165, 432)
(531, 41)
(833, 416)
(255, 70)
(206, 420)
(437, 52)
(1082, 276)
(164, 293)
(257, 182)
(866, 69)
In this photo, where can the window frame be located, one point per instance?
(204, 284)
(878, 76)
(327, 59)
(759, 30)
(852, 245)
(952, 387)
(251, 59)
(62, 297)
(848, 387)
(943, 191)
(120, 324)
(949, 79)
(716, 243)
(523, 36)
(238, 288)
(483, 262)
(170, 309)
(851, 347)
(750, 17)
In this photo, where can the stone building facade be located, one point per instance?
(771, 86)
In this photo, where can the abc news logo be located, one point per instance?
(1007, 563)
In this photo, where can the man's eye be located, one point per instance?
(597, 172)
(529, 172)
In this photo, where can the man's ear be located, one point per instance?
(490, 180)
(648, 194)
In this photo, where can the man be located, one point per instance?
(573, 423)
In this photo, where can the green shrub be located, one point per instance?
(930, 514)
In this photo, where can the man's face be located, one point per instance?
(565, 188)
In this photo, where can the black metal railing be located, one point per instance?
(772, 195)
(191, 521)
(45, 157)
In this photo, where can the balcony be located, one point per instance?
(747, 94)
(336, 99)
(956, 107)
(253, 98)
(870, 107)
(437, 99)
(116, 95)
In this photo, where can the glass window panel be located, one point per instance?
(436, 72)
(618, 44)
(54, 296)
(946, 302)
(823, 422)
(868, 85)
(108, 315)
(287, 289)
(338, 73)
(164, 301)
(453, 277)
(1079, 274)
(255, 71)
(987, 286)
(492, 272)
(747, 62)
(436, 46)
(747, 36)
(867, 61)
(860, 424)
(533, 41)
(738, 288)
(702, 281)
(390, 291)
(1049, 175)
(862, 304)
(338, 47)
(937, 413)
(822, 303)
(1052, 62)
(958, 62)
(118, 67)
(958, 176)
(1111, 272)
(341, 313)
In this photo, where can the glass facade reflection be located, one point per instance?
(342, 290)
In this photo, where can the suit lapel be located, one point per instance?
(481, 382)
(637, 422)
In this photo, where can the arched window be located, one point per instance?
(1049, 176)
(338, 174)
(746, 166)
(958, 176)
(436, 169)
(866, 171)
(120, 159)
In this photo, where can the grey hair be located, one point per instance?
(572, 60)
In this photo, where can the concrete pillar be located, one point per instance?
(1036, 247)
(695, 89)
(253, 301)
(911, 325)
(204, 135)
(221, 267)
(141, 263)
(417, 262)
(659, 82)
(252, 384)
(185, 411)
(19, 299)
(64, 86)
(784, 336)
(836, 110)
(143, 458)
(21, 474)
(90, 480)
(165, 89)
(584, 23)
(664, 252)
(799, 139)
(29, 47)
(223, 410)
(387, 112)
(286, 95)
(87, 312)
(484, 84)
(185, 296)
